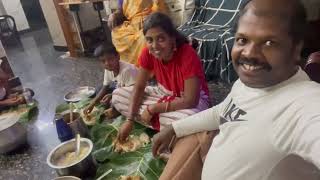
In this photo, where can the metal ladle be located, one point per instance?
(77, 144)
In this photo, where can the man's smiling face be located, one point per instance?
(264, 53)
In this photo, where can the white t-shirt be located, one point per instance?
(259, 128)
(126, 77)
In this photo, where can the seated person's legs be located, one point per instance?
(186, 160)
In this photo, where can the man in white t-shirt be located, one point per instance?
(117, 73)
(271, 113)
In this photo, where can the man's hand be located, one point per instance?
(162, 140)
(106, 99)
(88, 109)
(125, 130)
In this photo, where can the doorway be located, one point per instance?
(34, 15)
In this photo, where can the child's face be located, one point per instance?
(110, 62)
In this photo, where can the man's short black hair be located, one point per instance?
(105, 48)
(297, 18)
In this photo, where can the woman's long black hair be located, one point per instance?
(164, 22)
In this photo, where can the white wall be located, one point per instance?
(14, 8)
(2, 10)
(89, 17)
(51, 16)
(2, 51)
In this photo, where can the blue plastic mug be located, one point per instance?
(63, 129)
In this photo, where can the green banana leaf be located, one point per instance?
(31, 112)
(140, 162)
(78, 105)
(103, 134)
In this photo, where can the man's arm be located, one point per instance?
(306, 140)
(206, 120)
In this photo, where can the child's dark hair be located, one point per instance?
(105, 48)
(164, 22)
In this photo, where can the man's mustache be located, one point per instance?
(254, 62)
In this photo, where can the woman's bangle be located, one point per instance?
(167, 106)
(130, 119)
(149, 110)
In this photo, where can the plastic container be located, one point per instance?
(64, 131)
(28, 97)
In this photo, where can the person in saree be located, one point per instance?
(10, 97)
(181, 88)
(126, 26)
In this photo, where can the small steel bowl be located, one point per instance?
(67, 178)
(79, 93)
(81, 168)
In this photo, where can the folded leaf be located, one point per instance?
(140, 162)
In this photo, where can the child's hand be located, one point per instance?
(13, 95)
(88, 109)
(106, 99)
(13, 101)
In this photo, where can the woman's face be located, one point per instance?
(160, 44)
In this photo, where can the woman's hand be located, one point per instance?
(106, 99)
(13, 101)
(88, 109)
(115, 19)
(13, 95)
(125, 130)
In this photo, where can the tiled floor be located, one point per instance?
(40, 67)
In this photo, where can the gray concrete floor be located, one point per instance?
(41, 68)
